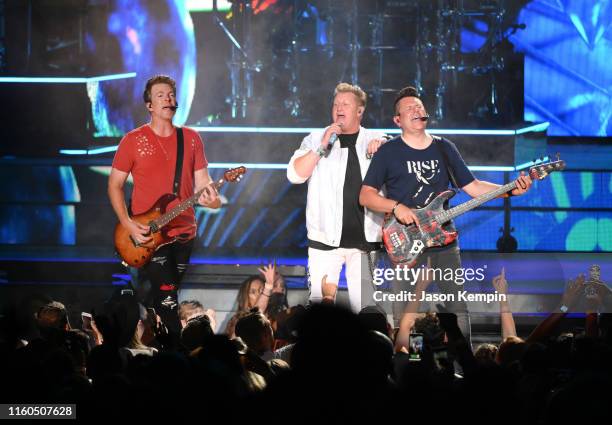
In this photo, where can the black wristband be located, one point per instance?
(394, 207)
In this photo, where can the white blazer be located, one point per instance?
(326, 185)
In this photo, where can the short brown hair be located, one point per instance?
(157, 79)
(53, 315)
(189, 309)
(361, 96)
(405, 92)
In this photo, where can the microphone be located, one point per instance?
(423, 118)
(174, 107)
(332, 140)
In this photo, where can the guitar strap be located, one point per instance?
(178, 168)
(438, 141)
(179, 161)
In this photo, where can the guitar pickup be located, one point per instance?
(417, 247)
(396, 240)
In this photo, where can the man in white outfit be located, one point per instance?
(340, 231)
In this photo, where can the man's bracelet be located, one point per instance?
(320, 151)
(394, 207)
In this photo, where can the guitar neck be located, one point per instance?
(183, 205)
(451, 213)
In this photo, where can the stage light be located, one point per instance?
(438, 131)
(67, 80)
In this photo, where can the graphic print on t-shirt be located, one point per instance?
(415, 176)
(425, 173)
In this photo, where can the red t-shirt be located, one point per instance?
(151, 160)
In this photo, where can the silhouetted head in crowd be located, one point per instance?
(429, 326)
(287, 328)
(52, 321)
(27, 326)
(53, 315)
(374, 318)
(510, 351)
(331, 343)
(220, 367)
(379, 351)
(118, 320)
(256, 331)
(195, 332)
(535, 359)
(104, 361)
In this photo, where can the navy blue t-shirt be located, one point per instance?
(414, 176)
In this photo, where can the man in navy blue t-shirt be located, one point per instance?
(413, 167)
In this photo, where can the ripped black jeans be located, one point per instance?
(166, 269)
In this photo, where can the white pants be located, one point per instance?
(358, 279)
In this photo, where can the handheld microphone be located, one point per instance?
(174, 107)
(332, 140)
(423, 118)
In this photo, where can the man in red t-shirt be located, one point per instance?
(149, 154)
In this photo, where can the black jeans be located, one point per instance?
(443, 259)
(167, 267)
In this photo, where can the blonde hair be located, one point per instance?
(361, 96)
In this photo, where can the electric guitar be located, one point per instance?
(136, 254)
(404, 243)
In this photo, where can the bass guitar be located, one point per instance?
(405, 243)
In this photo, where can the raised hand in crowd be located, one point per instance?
(457, 344)
(269, 274)
(507, 320)
(500, 283)
(94, 333)
(572, 294)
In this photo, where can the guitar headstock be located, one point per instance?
(541, 171)
(234, 174)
